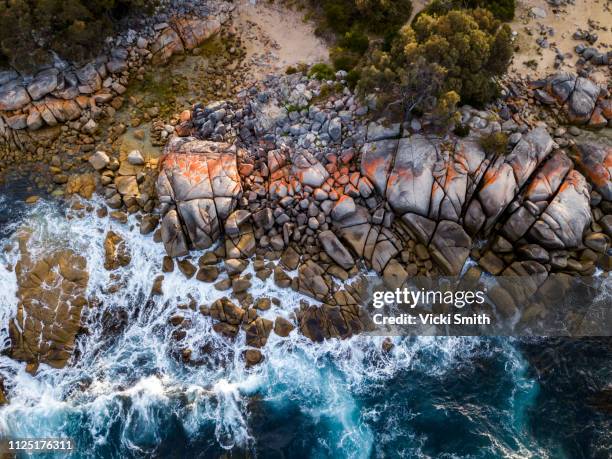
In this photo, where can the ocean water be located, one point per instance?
(127, 395)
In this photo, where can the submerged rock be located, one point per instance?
(51, 293)
(325, 322)
(116, 252)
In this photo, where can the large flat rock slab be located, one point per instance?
(198, 186)
(52, 294)
(564, 221)
(582, 100)
(594, 160)
(505, 177)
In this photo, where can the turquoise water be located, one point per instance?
(126, 395)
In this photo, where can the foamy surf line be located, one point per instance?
(126, 388)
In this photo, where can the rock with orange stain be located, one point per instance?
(503, 180)
(606, 108)
(376, 161)
(411, 179)
(194, 32)
(564, 221)
(537, 196)
(445, 190)
(597, 120)
(579, 97)
(307, 169)
(595, 161)
(456, 176)
(198, 187)
(167, 43)
(548, 179)
(425, 176)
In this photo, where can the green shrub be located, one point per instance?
(382, 16)
(337, 15)
(378, 73)
(321, 72)
(75, 29)
(501, 9)
(495, 143)
(355, 41)
(292, 108)
(379, 16)
(353, 78)
(343, 59)
(325, 91)
(471, 47)
(462, 130)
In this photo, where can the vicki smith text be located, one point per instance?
(432, 319)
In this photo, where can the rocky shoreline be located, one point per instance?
(82, 95)
(314, 187)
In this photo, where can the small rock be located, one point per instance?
(167, 264)
(335, 129)
(345, 207)
(208, 273)
(90, 127)
(282, 327)
(148, 224)
(224, 284)
(235, 266)
(135, 158)
(240, 285)
(598, 242)
(156, 289)
(187, 268)
(252, 357)
(99, 160)
(263, 304)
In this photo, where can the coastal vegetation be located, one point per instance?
(74, 29)
(378, 16)
(450, 53)
(501, 9)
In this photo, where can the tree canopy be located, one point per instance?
(379, 16)
(471, 47)
(501, 9)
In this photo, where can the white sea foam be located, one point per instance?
(8, 299)
(137, 364)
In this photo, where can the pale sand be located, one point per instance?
(277, 37)
(564, 24)
(418, 5)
